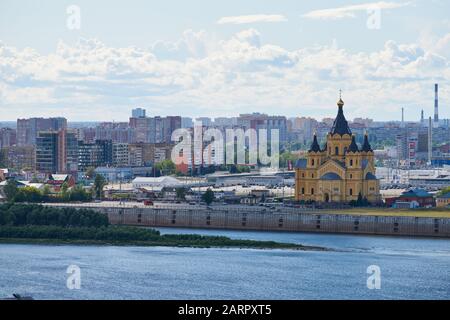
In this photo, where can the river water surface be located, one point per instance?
(411, 268)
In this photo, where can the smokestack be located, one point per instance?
(436, 103)
(403, 117)
(430, 140)
(421, 117)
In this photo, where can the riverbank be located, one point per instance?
(89, 236)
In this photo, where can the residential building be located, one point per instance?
(259, 121)
(56, 181)
(186, 122)
(120, 154)
(19, 157)
(138, 113)
(443, 200)
(97, 154)
(7, 137)
(28, 129)
(56, 152)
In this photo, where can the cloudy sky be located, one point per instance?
(96, 60)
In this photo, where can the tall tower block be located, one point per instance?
(436, 104)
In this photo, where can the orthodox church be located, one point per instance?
(339, 171)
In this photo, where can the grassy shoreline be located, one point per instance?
(36, 224)
(262, 245)
(392, 212)
(130, 236)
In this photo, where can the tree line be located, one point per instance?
(23, 215)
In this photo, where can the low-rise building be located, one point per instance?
(420, 196)
(143, 182)
(443, 201)
(55, 181)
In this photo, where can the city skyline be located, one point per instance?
(223, 60)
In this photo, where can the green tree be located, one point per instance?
(46, 193)
(167, 167)
(287, 156)
(444, 191)
(65, 191)
(79, 194)
(10, 189)
(208, 196)
(99, 184)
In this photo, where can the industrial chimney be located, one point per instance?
(436, 104)
(430, 141)
(403, 118)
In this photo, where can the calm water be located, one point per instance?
(410, 269)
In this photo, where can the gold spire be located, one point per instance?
(340, 103)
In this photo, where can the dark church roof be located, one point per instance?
(330, 176)
(370, 176)
(366, 145)
(340, 125)
(353, 146)
(315, 145)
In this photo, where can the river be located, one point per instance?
(411, 268)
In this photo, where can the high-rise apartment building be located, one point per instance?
(117, 132)
(263, 121)
(56, 152)
(155, 130)
(186, 122)
(28, 129)
(97, 154)
(120, 155)
(138, 113)
(7, 137)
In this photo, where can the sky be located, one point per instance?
(97, 60)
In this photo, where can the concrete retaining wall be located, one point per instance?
(277, 221)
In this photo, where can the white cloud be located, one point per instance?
(89, 80)
(192, 44)
(255, 18)
(350, 11)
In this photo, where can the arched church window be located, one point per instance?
(312, 190)
(351, 162)
(336, 150)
